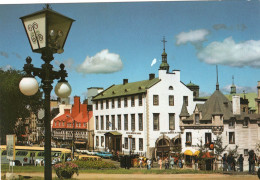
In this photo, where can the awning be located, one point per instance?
(113, 133)
(188, 153)
(196, 153)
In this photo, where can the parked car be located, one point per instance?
(87, 152)
(104, 154)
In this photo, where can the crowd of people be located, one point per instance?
(230, 162)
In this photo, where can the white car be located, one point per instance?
(86, 152)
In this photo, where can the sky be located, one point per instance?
(112, 41)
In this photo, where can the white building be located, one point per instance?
(142, 117)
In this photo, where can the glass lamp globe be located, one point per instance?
(63, 89)
(28, 86)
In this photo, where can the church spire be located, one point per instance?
(164, 65)
(217, 85)
(233, 87)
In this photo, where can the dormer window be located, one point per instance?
(197, 118)
(231, 123)
(245, 122)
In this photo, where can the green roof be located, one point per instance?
(250, 96)
(191, 84)
(126, 89)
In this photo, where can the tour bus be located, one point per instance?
(34, 155)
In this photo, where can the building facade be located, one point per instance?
(142, 117)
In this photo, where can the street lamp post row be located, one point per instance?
(47, 32)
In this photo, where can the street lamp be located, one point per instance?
(73, 136)
(47, 32)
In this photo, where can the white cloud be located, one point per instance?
(6, 68)
(239, 89)
(69, 63)
(231, 53)
(102, 62)
(194, 36)
(154, 62)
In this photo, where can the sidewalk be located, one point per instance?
(150, 176)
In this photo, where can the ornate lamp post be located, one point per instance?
(47, 32)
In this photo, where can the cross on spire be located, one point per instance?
(164, 41)
(217, 85)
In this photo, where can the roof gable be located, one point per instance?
(126, 89)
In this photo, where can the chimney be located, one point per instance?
(76, 106)
(236, 105)
(83, 110)
(151, 76)
(125, 81)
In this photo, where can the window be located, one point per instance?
(113, 122)
(156, 100)
(132, 122)
(119, 122)
(79, 125)
(140, 119)
(132, 101)
(197, 118)
(59, 123)
(101, 103)
(185, 100)
(102, 122)
(133, 143)
(84, 124)
(113, 103)
(207, 138)
(102, 141)
(119, 102)
(125, 102)
(126, 122)
(231, 123)
(97, 123)
(170, 88)
(188, 138)
(63, 123)
(245, 152)
(171, 121)
(126, 143)
(171, 100)
(96, 105)
(140, 100)
(245, 123)
(156, 121)
(107, 103)
(231, 137)
(97, 140)
(107, 122)
(140, 144)
(55, 123)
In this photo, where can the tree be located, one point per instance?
(13, 104)
(218, 146)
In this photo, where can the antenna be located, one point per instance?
(232, 79)
(217, 85)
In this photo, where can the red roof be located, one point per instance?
(78, 113)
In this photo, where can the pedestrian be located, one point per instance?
(140, 163)
(171, 162)
(224, 162)
(196, 160)
(166, 163)
(229, 162)
(148, 164)
(241, 162)
(253, 162)
(180, 163)
(160, 163)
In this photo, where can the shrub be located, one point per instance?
(66, 169)
(94, 164)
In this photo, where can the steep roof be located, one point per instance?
(126, 89)
(184, 111)
(217, 104)
(250, 96)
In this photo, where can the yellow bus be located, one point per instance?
(86, 157)
(34, 155)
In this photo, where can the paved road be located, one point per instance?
(152, 176)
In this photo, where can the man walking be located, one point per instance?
(241, 162)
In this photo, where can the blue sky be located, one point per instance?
(110, 42)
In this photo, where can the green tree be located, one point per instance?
(13, 104)
(219, 148)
